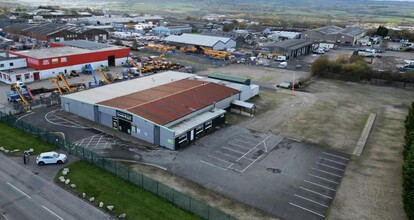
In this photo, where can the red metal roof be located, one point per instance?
(167, 103)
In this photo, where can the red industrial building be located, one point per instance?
(64, 57)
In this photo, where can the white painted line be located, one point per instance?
(212, 165)
(251, 163)
(230, 143)
(245, 142)
(315, 192)
(310, 200)
(73, 125)
(333, 161)
(231, 149)
(250, 151)
(234, 144)
(335, 156)
(307, 181)
(52, 212)
(87, 145)
(330, 166)
(4, 216)
(218, 159)
(234, 157)
(323, 178)
(24, 116)
(326, 172)
(250, 139)
(19, 190)
(307, 210)
(98, 141)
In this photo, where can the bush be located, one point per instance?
(353, 67)
(408, 165)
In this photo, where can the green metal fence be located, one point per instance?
(169, 194)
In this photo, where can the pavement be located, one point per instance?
(25, 195)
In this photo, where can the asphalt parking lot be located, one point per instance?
(281, 176)
(287, 178)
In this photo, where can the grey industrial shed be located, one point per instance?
(334, 34)
(292, 48)
(211, 42)
(168, 109)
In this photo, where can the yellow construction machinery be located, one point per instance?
(56, 81)
(104, 75)
(216, 54)
(62, 77)
(159, 48)
(22, 98)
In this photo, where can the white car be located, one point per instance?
(51, 158)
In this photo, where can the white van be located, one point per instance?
(280, 58)
(283, 65)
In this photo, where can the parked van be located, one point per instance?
(280, 58)
(283, 65)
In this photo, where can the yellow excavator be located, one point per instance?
(62, 77)
(54, 80)
(24, 100)
(104, 75)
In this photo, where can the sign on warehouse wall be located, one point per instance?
(123, 115)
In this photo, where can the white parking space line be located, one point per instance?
(307, 210)
(316, 184)
(225, 161)
(323, 171)
(315, 192)
(52, 212)
(310, 200)
(18, 190)
(231, 149)
(250, 151)
(335, 156)
(328, 180)
(333, 161)
(212, 165)
(231, 143)
(232, 156)
(251, 163)
(330, 166)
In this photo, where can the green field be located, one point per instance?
(125, 197)
(12, 138)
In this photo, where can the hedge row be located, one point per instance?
(408, 166)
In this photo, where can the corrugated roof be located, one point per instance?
(47, 28)
(293, 44)
(161, 106)
(58, 52)
(84, 44)
(350, 31)
(103, 93)
(196, 39)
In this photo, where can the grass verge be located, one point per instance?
(12, 138)
(125, 197)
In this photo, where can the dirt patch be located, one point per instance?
(236, 209)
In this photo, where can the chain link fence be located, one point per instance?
(136, 178)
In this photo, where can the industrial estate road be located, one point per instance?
(24, 195)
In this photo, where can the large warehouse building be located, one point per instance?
(210, 42)
(167, 109)
(63, 58)
(53, 32)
